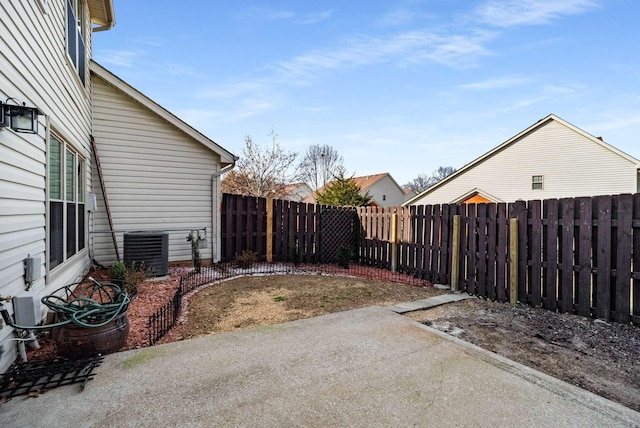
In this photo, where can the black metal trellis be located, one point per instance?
(40, 376)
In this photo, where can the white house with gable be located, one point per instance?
(550, 159)
(56, 106)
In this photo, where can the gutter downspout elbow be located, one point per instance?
(216, 210)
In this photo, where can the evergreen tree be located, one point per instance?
(342, 191)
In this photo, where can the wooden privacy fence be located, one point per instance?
(287, 231)
(579, 255)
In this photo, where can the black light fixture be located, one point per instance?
(20, 118)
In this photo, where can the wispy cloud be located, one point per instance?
(617, 121)
(176, 69)
(396, 17)
(242, 98)
(498, 83)
(290, 15)
(451, 46)
(314, 18)
(228, 111)
(232, 89)
(125, 58)
(456, 51)
(507, 13)
(156, 42)
(409, 47)
(281, 14)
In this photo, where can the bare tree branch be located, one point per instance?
(262, 171)
(422, 182)
(319, 165)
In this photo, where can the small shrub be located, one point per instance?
(345, 255)
(279, 299)
(128, 277)
(295, 254)
(194, 238)
(118, 273)
(246, 259)
(136, 274)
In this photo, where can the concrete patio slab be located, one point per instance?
(364, 368)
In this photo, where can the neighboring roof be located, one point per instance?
(476, 192)
(366, 181)
(226, 157)
(295, 186)
(101, 12)
(408, 191)
(517, 138)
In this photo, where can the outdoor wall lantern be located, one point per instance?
(20, 118)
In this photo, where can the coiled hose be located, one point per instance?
(95, 305)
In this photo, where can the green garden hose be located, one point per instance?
(92, 306)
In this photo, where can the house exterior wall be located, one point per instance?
(298, 193)
(35, 69)
(156, 177)
(572, 165)
(386, 192)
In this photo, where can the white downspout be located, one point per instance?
(216, 207)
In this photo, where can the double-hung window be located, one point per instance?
(537, 182)
(67, 169)
(75, 36)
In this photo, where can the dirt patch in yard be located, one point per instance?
(254, 301)
(597, 356)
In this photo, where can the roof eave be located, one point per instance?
(102, 14)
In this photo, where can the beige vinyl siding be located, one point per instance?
(34, 68)
(572, 165)
(156, 177)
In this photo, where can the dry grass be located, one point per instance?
(264, 300)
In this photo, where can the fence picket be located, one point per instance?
(444, 264)
(260, 228)
(435, 242)
(566, 279)
(535, 248)
(502, 250)
(583, 286)
(464, 231)
(492, 241)
(624, 229)
(550, 256)
(602, 291)
(635, 294)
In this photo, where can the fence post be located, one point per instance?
(455, 253)
(513, 261)
(394, 241)
(269, 230)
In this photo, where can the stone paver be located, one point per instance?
(430, 302)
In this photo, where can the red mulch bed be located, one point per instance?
(155, 293)
(152, 295)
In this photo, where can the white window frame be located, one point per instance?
(537, 182)
(76, 43)
(69, 201)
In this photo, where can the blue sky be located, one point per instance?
(398, 86)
